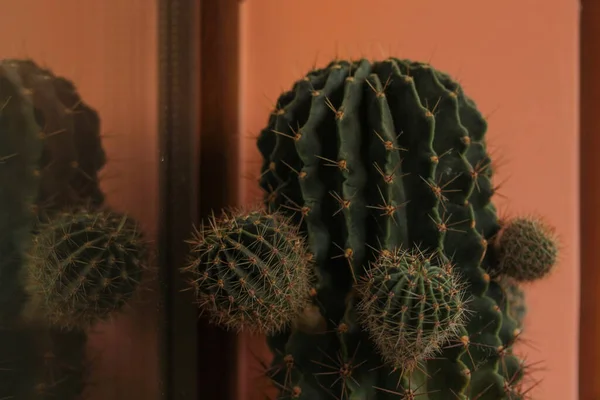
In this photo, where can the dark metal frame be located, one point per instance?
(198, 158)
(589, 145)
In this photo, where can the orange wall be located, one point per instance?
(519, 61)
(109, 49)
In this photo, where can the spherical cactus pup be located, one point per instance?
(85, 265)
(526, 248)
(411, 305)
(70, 133)
(250, 271)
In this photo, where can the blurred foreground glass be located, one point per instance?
(80, 300)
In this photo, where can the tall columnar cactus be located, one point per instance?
(42, 364)
(50, 155)
(385, 168)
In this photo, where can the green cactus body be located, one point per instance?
(84, 266)
(50, 155)
(69, 131)
(20, 152)
(412, 302)
(372, 157)
(526, 250)
(250, 271)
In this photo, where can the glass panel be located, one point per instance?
(79, 200)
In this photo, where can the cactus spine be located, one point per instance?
(250, 271)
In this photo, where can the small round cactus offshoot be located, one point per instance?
(250, 271)
(411, 304)
(84, 265)
(526, 248)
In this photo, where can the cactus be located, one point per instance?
(250, 271)
(50, 155)
(20, 152)
(526, 250)
(42, 364)
(83, 266)
(373, 158)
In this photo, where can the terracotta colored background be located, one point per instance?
(518, 59)
(109, 48)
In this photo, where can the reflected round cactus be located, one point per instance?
(84, 265)
(250, 271)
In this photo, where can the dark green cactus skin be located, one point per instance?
(250, 271)
(372, 156)
(20, 153)
(84, 265)
(50, 155)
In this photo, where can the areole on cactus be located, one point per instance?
(383, 167)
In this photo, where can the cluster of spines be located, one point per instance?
(392, 183)
(411, 304)
(250, 271)
(84, 265)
